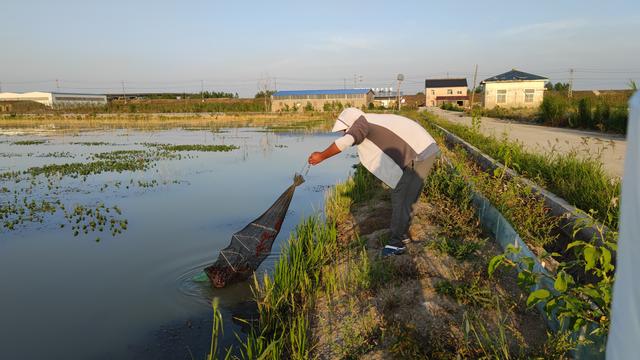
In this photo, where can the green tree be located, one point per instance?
(262, 94)
(308, 107)
(584, 113)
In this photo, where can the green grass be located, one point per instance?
(359, 187)
(450, 184)
(286, 297)
(371, 274)
(471, 293)
(457, 248)
(582, 182)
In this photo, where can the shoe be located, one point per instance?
(393, 250)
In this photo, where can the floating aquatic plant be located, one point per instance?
(29, 142)
(198, 147)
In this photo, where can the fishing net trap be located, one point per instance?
(251, 245)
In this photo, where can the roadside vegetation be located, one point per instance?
(603, 113)
(451, 107)
(581, 272)
(581, 181)
(607, 112)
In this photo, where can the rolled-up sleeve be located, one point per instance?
(345, 141)
(359, 130)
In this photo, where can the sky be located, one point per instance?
(242, 46)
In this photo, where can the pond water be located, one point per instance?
(131, 295)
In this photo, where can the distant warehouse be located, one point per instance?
(55, 99)
(298, 100)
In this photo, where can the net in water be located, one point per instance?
(251, 245)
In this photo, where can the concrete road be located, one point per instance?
(609, 148)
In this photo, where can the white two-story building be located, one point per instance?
(513, 89)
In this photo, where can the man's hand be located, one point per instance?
(316, 158)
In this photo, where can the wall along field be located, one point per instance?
(101, 232)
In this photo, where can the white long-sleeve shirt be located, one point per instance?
(386, 143)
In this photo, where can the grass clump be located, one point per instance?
(359, 187)
(466, 293)
(459, 249)
(285, 299)
(451, 107)
(371, 274)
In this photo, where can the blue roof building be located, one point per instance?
(285, 93)
(327, 100)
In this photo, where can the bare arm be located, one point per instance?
(318, 157)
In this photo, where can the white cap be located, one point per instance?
(346, 118)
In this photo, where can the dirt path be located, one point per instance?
(544, 139)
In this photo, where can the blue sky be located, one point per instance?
(93, 46)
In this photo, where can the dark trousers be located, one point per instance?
(404, 197)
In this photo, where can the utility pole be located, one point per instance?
(345, 83)
(275, 84)
(473, 91)
(400, 79)
(264, 85)
(356, 78)
(124, 93)
(570, 94)
(202, 89)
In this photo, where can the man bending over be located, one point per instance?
(395, 149)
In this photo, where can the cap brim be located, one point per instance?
(338, 127)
